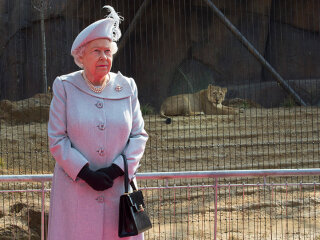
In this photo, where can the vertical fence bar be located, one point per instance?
(271, 209)
(299, 197)
(215, 208)
(243, 210)
(14, 216)
(203, 214)
(188, 224)
(174, 212)
(159, 213)
(42, 209)
(287, 224)
(315, 210)
(230, 211)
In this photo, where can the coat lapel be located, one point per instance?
(118, 87)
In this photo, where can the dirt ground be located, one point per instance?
(256, 138)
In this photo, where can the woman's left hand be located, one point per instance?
(113, 171)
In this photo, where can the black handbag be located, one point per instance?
(133, 217)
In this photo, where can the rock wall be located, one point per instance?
(177, 46)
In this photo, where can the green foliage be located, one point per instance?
(245, 105)
(147, 109)
(288, 102)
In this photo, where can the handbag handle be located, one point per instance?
(126, 175)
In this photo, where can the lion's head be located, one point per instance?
(216, 94)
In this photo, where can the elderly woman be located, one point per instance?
(95, 117)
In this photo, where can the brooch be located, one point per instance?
(118, 88)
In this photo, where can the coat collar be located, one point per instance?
(118, 87)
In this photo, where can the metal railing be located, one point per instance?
(216, 175)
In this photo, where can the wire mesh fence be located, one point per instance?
(170, 48)
(264, 54)
(229, 208)
(255, 211)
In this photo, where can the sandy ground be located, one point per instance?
(254, 139)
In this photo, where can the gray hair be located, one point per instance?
(78, 53)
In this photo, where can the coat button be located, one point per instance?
(99, 104)
(100, 151)
(100, 199)
(101, 126)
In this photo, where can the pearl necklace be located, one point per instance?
(94, 88)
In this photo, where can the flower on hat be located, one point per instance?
(117, 19)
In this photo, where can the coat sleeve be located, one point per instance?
(69, 158)
(138, 137)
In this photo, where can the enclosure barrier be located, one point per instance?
(255, 53)
(216, 175)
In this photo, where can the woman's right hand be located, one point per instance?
(99, 181)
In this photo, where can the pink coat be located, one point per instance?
(88, 127)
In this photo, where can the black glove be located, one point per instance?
(99, 181)
(113, 171)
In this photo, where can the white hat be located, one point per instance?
(103, 28)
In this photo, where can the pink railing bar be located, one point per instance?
(176, 175)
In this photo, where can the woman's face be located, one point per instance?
(97, 59)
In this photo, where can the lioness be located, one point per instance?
(208, 101)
